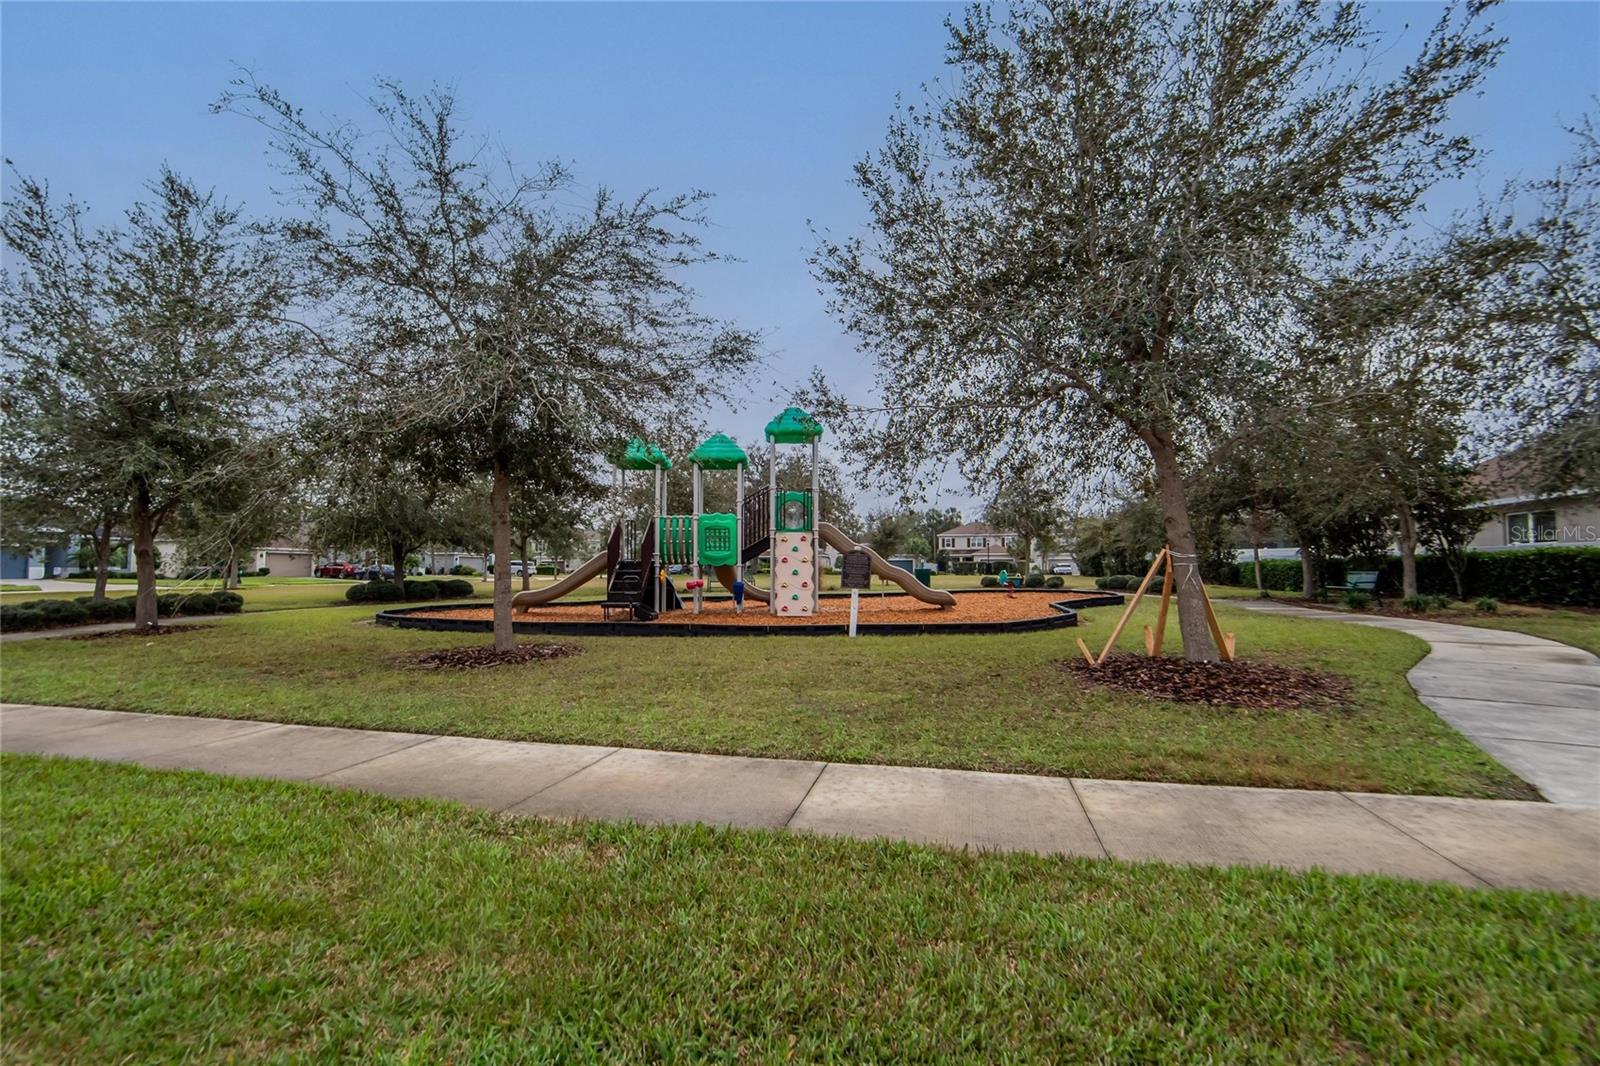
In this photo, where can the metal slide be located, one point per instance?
(834, 538)
(571, 583)
(725, 574)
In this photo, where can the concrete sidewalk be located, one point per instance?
(106, 627)
(1468, 842)
(1533, 704)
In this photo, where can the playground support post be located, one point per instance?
(816, 521)
(772, 502)
(738, 531)
(855, 609)
(694, 539)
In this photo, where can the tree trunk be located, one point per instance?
(500, 510)
(397, 553)
(1308, 570)
(1255, 548)
(230, 576)
(527, 576)
(144, 555)
(1192, 623)
(102, 559)
(1408, 549)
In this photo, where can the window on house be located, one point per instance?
(1531, 527)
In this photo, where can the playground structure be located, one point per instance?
(783, 524)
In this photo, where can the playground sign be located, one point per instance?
(855, 570)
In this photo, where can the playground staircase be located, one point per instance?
(625, 591)
(630, 583)
(756, 522)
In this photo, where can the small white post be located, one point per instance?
(855, 609)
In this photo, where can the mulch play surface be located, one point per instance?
(1236, 684)
(875, 608)
(480, 656)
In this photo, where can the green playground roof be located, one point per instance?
(793, 426)
(642, 455)
(719, 452)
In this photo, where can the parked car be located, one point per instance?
(1063, 568)
(518, 566)
(344, 570)
(374, 573)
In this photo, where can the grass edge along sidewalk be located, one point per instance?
(981, 703)
(155, 914)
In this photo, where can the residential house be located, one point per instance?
(977, 544)
(1520, 517)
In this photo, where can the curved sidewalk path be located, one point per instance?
(1533, 704)
(1480, 843)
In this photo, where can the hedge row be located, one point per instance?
(1556, 577)
(85, 610)
(389, 592)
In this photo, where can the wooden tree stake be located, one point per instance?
(1161, 557)
(1154, 644)
(1087, 654)
(1224, 643)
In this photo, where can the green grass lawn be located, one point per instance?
(979, 702)
(19, 588)
(1569, 625)
(157, 916)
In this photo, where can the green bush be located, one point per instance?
(422, 590)
(1439, 602)
(989, 581)
(463, 571)
(263, 571)
(1055, 581)
(1487, 605)
(456, 588)
(1416, 604)
(374, 592)
(107, 610)
(1357, 600)
(1122, 581)
(1102, 583)
(1034, 580)
(228, 602)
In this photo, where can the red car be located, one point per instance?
(344, 570)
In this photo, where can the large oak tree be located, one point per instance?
(1084, 249)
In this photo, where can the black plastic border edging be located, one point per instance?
(1066, 615)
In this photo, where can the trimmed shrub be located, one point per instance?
(263, 571)
(1122, 582)
(374, 592)
(422, 590)
(1487, 605)
(1102, 583)
(1034, 580)
(989, 581)
(1055, 581)
(455, 587)
(1357, 600)
(107, 610)
(463, 571)
(228, 602)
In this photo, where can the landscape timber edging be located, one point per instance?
(1065, 615)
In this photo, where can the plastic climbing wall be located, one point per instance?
(794, 574)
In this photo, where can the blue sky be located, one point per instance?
(765, 105)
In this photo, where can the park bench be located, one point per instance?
(1358, 581)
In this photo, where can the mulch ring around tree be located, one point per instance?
(158, 631)
(1256, 685)
(480, 656)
